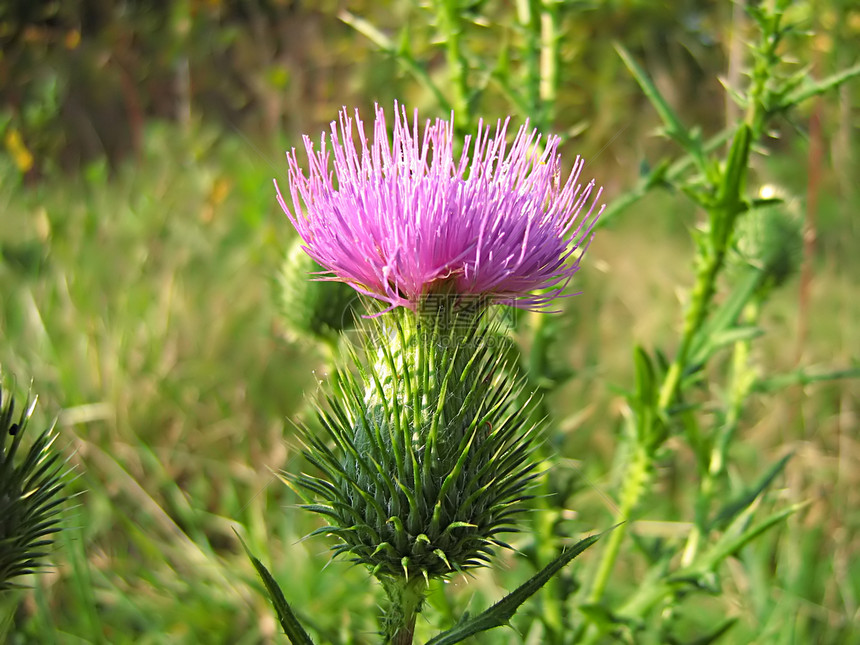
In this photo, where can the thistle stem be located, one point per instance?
(405, 633)
(529, 19)
(553, 613)
(407, 597)
(549, 60)
(640, 466)
(636, 481)
(450, 23)
(700, 300)
(743, 380)
(709, 263)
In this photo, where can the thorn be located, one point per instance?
(404, 562)
(439, 553)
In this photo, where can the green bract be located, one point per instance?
(424, 457)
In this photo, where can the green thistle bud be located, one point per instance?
(316, 309)
(770, 238)
(425, 459)
(30, 493)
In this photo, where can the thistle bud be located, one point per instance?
(425, 459)
(316, 309)
(770, 238)
(31, 492)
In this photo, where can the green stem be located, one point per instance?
(550, 38)
(742, 381)
(527, 14)
(406, 634)
(450, 23)
(700, 300)
(723, 199)
(635, 484)
(709, 262)
(406, 598)
(552, 603)
(404, 58)
(542, 339)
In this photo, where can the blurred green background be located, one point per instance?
(140, 242)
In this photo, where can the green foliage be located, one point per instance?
(146, 321)
(664, 402)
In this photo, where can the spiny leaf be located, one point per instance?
(290, 623)
(820, 87)
(674, 128)
(500, 613)
(736, 169)
(804, 377)
(703, 345)
(645, 385)
(736, 505)
(730, 544)
(714, 636)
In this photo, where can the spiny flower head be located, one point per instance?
(402, 218)
(426, 452)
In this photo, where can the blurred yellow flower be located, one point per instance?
(16, 147)
(72, 39)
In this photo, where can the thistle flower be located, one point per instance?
(426, 453)
(403, 219)
(30, 493)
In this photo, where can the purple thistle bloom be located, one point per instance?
(401, 220)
